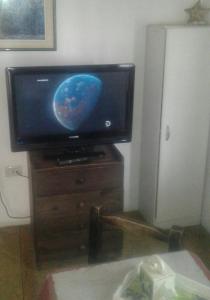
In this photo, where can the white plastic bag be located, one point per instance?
(153, 279)
(145, 281)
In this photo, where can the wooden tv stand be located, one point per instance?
(62, 198)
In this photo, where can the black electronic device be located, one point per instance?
(72, 159)
(69, 106)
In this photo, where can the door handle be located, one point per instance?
(167, 133)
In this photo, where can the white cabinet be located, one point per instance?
(176, 113)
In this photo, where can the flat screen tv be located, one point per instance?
(69, 106)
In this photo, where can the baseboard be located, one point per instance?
(186, 221)
(206, 222)
(14, 223)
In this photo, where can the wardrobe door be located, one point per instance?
(184, 126)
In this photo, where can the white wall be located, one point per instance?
(88, 31)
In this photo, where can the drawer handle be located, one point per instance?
(80, 180)
(168, 133)
(81, 204)
(55, 208)
(82, 248)
(81, 226)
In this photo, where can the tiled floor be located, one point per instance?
(20, 279)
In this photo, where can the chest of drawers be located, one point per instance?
(62, 198)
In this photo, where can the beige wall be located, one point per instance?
(88, 31)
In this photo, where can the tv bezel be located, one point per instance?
(63, 141)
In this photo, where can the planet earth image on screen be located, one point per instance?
(75, 98)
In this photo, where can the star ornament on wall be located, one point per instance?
(197, 14)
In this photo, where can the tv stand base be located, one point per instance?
(61, 201)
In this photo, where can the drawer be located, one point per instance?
(58, 224)
(64, 181)
(73, 210)
(76, 243)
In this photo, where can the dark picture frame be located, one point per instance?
(27, 25)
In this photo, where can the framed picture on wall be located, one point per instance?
(27, 25)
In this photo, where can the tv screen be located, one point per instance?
(64, 106)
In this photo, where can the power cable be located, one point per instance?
(21, 175)
(7, 211)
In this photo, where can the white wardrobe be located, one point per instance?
(176, 116)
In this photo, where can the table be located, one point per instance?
(100, 282)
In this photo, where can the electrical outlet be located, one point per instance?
(11, 171)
